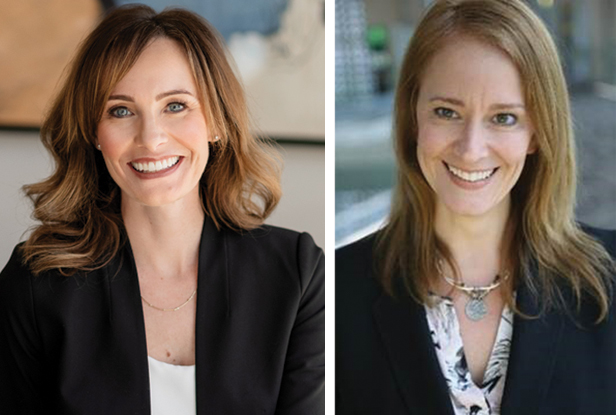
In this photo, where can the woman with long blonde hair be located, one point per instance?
(150, 284)
(482, 294)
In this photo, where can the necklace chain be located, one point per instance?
(475, 308)
(171, 309)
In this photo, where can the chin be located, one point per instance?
(468, 207)
(153, 200)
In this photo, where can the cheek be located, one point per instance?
(431, 143)
(114, 137)
(428, 148)
(109, 139)
(192, 130)
(515, 148)
(428, 143)
(114, 142)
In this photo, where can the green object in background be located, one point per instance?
(377, 37)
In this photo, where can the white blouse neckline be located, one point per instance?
(172, 388)
(468, 398)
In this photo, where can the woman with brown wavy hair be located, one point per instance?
(482, 294)
(151, 284)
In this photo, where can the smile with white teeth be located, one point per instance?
(154, 167)
(473, 176)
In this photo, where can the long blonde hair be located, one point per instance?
(78, 206)
(543, 233)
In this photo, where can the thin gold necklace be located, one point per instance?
(171, 309)
(475, 308)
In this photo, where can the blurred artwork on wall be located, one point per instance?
(278, 48)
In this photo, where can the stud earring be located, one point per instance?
(98, 146)
(216, 138)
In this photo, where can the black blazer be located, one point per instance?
(77, 345)
(386, 362)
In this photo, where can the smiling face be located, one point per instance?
(473, 130)
(153, 134)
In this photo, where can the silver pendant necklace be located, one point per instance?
(475, 308)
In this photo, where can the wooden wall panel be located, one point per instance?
(37, 40)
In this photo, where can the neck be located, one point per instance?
(476, 242)
(165, 239)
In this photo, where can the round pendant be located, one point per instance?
(475, 309)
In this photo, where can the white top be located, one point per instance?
(172, 389)
(468, 398)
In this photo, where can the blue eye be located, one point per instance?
(446, 113)
(505, 119)
(120, 112)
(176, 106)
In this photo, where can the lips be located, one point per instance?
(155, 166)
(471, 176)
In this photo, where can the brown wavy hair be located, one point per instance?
(545, 246)
(78, 206)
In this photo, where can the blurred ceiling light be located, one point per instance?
(545, 3)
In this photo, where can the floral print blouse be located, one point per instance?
(468, 398)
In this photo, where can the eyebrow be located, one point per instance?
(498, 106)
(158, 97)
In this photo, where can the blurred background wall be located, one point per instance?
(371, 38)
(279, 51)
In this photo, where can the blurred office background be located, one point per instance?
(279, 50)
(371, 38)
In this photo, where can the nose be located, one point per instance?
(151, 134)
(472, 145)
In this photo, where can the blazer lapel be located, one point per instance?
(534, 348)
(405, 335)
(213, 311)
(127, 339)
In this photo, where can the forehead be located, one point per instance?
(467, 68)
(162, 65)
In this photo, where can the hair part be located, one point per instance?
(78, 206)
(542, 235)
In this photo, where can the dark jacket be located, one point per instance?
(386, 363)
(77, 345)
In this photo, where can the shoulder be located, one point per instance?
(267, 233)
(15, 278)
(43, 294)
(277, 251)
(357, 285)
(274, 240)
(364, 246)
(17, 272)
(17, 301)
(357, 258)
